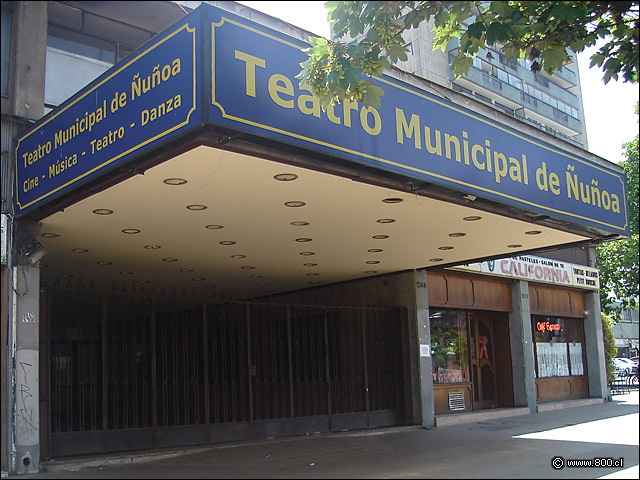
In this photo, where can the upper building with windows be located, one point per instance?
(552, 103)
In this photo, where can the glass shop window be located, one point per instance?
(558, 346)
(449, 346)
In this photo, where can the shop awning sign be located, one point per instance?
(248, 84)
(538, 269)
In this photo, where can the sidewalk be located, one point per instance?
(515, 447)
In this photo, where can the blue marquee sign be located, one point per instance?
(137, 104)
(249, 85)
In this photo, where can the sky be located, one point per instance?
(609, 109)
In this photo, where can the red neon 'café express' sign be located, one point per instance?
(547, 326)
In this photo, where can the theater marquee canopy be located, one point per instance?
(217, 73)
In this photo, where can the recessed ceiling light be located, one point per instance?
(436, 259)
(255, 276)
(50, 235)
(457, 234)
(310, 265)
(380, 237)
(385, 220)
(371, 272)
(104, 263)
(472, 218)
(227, 242)
(197, 207)
(303, 240)
(286, 177)
(174, 181)
(152, 247)
(514, 245)
(102, 211)
(248, 267)
(197, 279)
(214, 227)
(307, 253)
(263, 284)
(186, 269)
(209, 286)
(131, 231)
(312, 274)
(144, 281)
(372, 262)
(295, 203)
(126, 273)
(238, 256)
(169, 259)
(445, 248)
(533, 232)
(393, 200)
(80, 250)
(66, 275)
(299, 224)
(375, 250)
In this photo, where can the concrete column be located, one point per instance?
(26, 374)
(522, 359)
(28, 57)
(23, 355)
(413, 295)
(593, 339)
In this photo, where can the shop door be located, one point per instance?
(483, 361)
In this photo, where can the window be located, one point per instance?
(409, 47)
(80, 44)
(558, 346)
(541, 80)
(515, 81)
(449, 346)
(491, 81)
(6, 48)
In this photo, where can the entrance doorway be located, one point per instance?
(490, 360)
(483, 361)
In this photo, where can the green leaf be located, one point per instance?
(497, 32)
(476, 30)
(461, 65)
(553, 58)
(371, 98)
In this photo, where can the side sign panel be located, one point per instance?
(414, 133)
(150, 97)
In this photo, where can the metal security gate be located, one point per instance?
(129, 371)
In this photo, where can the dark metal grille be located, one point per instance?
(76, 361)
(132, 363)
(228, 367)
(128, 366)
(179, 362)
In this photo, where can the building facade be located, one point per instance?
(626, 334)
(216, 275)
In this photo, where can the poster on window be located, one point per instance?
(552, 359)
(575, 357)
